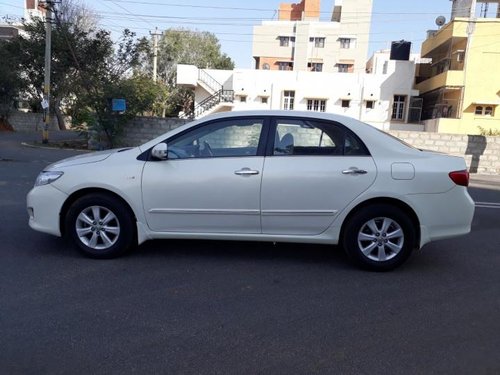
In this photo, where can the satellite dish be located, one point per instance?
(266, 66)
(440, 21)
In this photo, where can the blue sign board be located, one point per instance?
(118, 105)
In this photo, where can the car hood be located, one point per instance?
(93, 157)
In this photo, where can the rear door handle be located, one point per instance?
(354, 171)
(246, 172)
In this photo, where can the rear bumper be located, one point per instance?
(44, 205)
(444, 215)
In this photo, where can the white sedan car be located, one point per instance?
(280, 176)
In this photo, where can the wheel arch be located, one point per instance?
(389, 201)
(86, 191)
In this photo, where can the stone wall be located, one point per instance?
(143, 129)
(482, 154)
(28, 121)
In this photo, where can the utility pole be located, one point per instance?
(155, 36)
(48, 58)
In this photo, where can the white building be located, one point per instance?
(383, 98)
(299, 41)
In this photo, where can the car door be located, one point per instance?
(312, 172)
(210, 182)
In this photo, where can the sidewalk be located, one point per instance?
(484, 180)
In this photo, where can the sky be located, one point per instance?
(232, 21)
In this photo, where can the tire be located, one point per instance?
(100, 226)
(379, 237)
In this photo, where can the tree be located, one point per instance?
(12, 81)
(112, 78)
(182, 46)
(86, 71)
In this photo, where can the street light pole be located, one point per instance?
(155, 36)
(46, 85)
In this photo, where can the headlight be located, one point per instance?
(47, 177)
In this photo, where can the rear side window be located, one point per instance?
(306, 137)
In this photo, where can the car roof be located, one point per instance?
(281, 113)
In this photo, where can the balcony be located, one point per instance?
(454, 29)
(447, 78)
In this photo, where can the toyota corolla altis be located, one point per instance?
(280, 176)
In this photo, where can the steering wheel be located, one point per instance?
(207, 149)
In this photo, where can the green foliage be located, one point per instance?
(182, 46)
(11, 78)
(141, 95)
(87, 70)
(489, 132)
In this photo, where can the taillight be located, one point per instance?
(460, 177)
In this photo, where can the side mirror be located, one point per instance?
(159, 151)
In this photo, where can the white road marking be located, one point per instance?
(488, 205)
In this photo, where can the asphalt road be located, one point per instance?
(200, 307)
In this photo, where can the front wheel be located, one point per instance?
(379, 237)
(100, 226)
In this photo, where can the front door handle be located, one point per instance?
(354, 171)
(246, 172)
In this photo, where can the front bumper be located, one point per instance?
(44, 205)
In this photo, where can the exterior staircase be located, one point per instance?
(219, 97)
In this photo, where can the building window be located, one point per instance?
(318, 42)
(385, 67)
(318, 105)
(346, 43)
(344, 68)
(346, 103)
(243, 98)
(285, 65)
(398, 107)
(285, 40)
(315, 67)
(288, 99)
(263, 99)
(484, 111)
(370, 104)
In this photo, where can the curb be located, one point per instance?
(25, 144)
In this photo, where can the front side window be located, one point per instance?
(308, 137)
(236, 137)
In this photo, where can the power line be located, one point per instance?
(257, 9)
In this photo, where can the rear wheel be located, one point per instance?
(379, 237)
(100, 226)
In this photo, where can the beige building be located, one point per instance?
(460, 88)
(299, 41)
